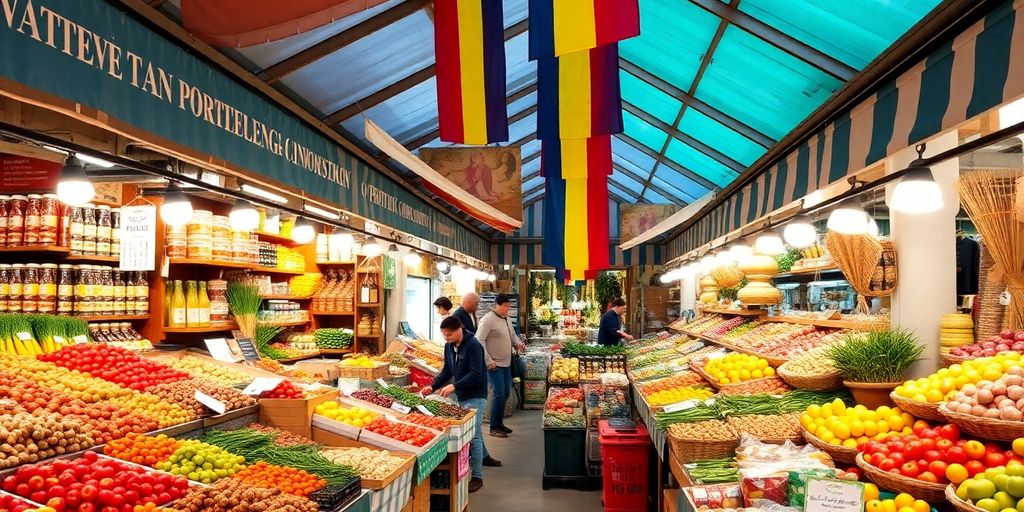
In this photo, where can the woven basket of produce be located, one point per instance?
(921, 410)
(950, 360)
(823, 382)
(702, 440)
(770, 385)
(985, 428)
(959, 504)
(768, 429)
(932, 493)
(838, 453)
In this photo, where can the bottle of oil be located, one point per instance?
(191, 304)
(179, 311)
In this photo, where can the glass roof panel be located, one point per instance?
(638, 158)
(522, 103)
(648, 98)
(656, 198)
(522, 128)
(627, 183)
(520, 71)
(531, 167)
(699, 163)
(647, 135)
(266, 55)
(720, 137)
(761, 85)
(529, 148)
(674, 34)
(405, 117)
(695, 190)
(366, 65)
(854, 36)
(527, 185)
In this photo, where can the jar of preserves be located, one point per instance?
(115, 232)
(5, 286)
(107, 289)
(48, 288)
(49, 219)
(16, 221)
(5, 202)
(141, 294)
(103, 226)
(89, 229)
(30, 289)
(119, 293)
(66, 290)
(176, 239)
(32, 219)
(76, 229)
(96, 335)
(16, 283)
(83, 291)
(219, 309)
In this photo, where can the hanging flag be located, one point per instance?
(469, 47)
(560, 27)
(242, 23)
(577, 158)
(578, 95)
(553, 248)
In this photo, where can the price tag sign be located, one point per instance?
(80, 339)
(262, 384)
(424, 410)
(219, 349)
(138, 237)
(24, 336)
(249, 351)
(382, 383)
(58, 340)
(211, 402)
(681, 406)
(397, 407)
(826, 495)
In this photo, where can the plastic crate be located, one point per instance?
(593, 446)
(334, 497)
(565, 452)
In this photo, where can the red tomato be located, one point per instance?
(914, 449)
(975, 450)
(943, 445)
(932, 455)
(910, 469)
(938, 468)
(919, 427)
(956, 455)
(974, 467)
(994, 460)
(927, 476)
(992, 448)
(950, 432)
(887, 464)
(898, 458)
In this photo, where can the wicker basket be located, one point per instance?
(920, 410)
(797, 437)
(838, 453)
(950, 360)
(825, 382)
(958, 503)
(985, 428)
(751, 387)
(692, 450)
(932, 493)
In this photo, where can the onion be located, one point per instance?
(998, 388)
(992, 413)
(1015, 392)
(1013, 380)
(985, 396)
(978, 410)
(964, 408)
(1010, 414)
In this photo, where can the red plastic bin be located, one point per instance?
(624, 467)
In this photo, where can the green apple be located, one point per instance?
(1000, 480)
(1005, 500)
(988, 504)
(1015, 470)
(980, 489)
(1015, 486)
(1020, 505)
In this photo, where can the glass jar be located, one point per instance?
(104, 291)
(5, 202)
(16, 221)
(141, 294)
(66, 290)
(89, 229)
(76, 229)
(115, 232)
(103, 226)
(16, 284)
(83, 291)
(32, 219)
(119, 293)
(49, 219)
(5, 286)
(48, 288)
(30, 289)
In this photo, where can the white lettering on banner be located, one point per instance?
(60, 33)
(391, 203)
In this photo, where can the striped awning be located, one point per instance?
(982, 68)
(529, 253)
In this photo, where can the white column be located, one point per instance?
(688, 292)
(926, 256)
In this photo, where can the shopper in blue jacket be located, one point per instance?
(465, 375)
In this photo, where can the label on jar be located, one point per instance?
(47, 289)
(89, 245)
(192, 317)
(16, 290)
(102, 247)
(179, 316)
(77, 244)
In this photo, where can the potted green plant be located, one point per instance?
(873, 363)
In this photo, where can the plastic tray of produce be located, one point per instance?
(336, 497)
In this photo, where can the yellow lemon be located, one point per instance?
(814, 411)
(850, 443)
(857, 428)
(870, 492)
(841, 431)
(870, 428)
(883, 427)
(904, 500)
(895, 423)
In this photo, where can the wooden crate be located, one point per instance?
(295, 416)
(332, 440)
(358, 372)
(421, 497)
(377, 485)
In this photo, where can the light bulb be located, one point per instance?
(303, 232)
(800, 232)
(74, 187)
(769, 243)
(916, 192)
(393, 250)
(848, 218)
(492, 278)
(740, 251)
(706, 263)
(872, 228)
(412, 259)
(443, 266)
(372, 249)
(243, 216)
(176, 209)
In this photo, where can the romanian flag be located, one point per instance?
(576, 234)
(469, 46)
(560, 27)
(578, 94)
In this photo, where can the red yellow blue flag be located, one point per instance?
(560, 27)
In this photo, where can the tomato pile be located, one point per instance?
(288, 480)
(114, 364)
(284, 390)
(935, 455)
(405, 433)
(141, 449)
(12, 504)
(426, 421)
(93, 484)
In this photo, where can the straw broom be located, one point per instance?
(988, 196)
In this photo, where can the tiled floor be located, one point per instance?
(516, 486)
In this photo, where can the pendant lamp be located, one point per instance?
(800, 233)
(848, 218)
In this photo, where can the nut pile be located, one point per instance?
(32, 437)
(766, 427)
(809, 364)
(199, 368)
(371, 464)
(232, 495)
(710, 430)
(183, 393)
(151, 406)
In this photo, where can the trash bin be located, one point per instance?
(624, 455)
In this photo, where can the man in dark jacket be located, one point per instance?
(466, 312)
(610, 331)
(465, 374)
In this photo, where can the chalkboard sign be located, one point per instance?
(249, 351)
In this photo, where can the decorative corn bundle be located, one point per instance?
(991, 313)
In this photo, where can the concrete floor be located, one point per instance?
(516, 486)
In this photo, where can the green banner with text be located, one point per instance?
(92, 53)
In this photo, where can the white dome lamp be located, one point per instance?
(740, 251)
(372, 249)
(444, 267)
(848, 218)
(243, 216)
(800, 233)
(303, 232)
(769, 243)
(176, 210)
(917, 192)
(412, 259)
(74, 187)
